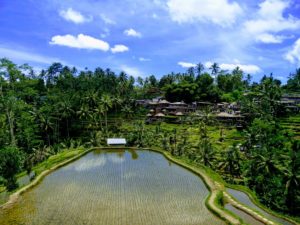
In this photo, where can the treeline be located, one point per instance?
(61, 106)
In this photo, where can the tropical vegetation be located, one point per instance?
(44, 112)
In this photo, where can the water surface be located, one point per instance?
(245, 216)
(244, 198)
(123, 187)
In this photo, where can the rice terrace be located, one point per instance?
(150, 112)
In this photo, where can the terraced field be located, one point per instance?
(292, 123)
(122, 187)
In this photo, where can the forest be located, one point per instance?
(44, 112)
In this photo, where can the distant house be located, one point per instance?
(116, 141)
(230, 119)
(291, 102)
(203, 105)
(292, 98)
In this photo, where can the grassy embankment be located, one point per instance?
(53, 160)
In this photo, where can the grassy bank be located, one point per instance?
(52, 161)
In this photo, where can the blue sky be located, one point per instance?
(153, 36)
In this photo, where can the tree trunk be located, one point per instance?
(11, 127)
(68, 128)
(106, 123)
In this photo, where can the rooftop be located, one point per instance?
(116, 141)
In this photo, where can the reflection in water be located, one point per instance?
(112, 188)
(134, 154)
(88, 164)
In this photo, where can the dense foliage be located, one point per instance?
(58, 107)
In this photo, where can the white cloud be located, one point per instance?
(281, 78)
(270, 38)
(220, 12)
(208, 64)
(142, 59)
(119, 48)
(270, 20)
(107, 20)
(74, 16)
(26, 56)
(132, 32)
(81, 41)
(293, 56)
(132, 71)
(247, 68)
(186, 64)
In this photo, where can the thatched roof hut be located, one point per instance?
(179, 114)
(159, 115)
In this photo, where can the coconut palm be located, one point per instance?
(292, 177)
(106, 103)
(117, 102)
(199, 68)
(214, 69)
(205, 152)
(231, 162)
(127, 110)
(47, 124)
(97, 115)
(91, 98)
(65, 111)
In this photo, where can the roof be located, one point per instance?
(179, 114)
(116, 141)
(159, 115)
(153, 103)
(225, 114)
(178, 103)
(163, 102)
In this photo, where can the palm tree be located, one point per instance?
(98, 112)
(46, 124)
(205, 152)
(292, 177)
(214, 69)
(65, 110)
(91, 98)
(117, 101)
(84, 112)
(106, 103)
(231, 162)
(199, 68)
(261, 168)
(127, 110)
(203, 130)
(165, 141)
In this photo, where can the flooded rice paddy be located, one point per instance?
(121, 187)
(244, 198)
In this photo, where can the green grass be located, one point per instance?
(58, 158)
(292, 123)
(230, 134)
(50, 162)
